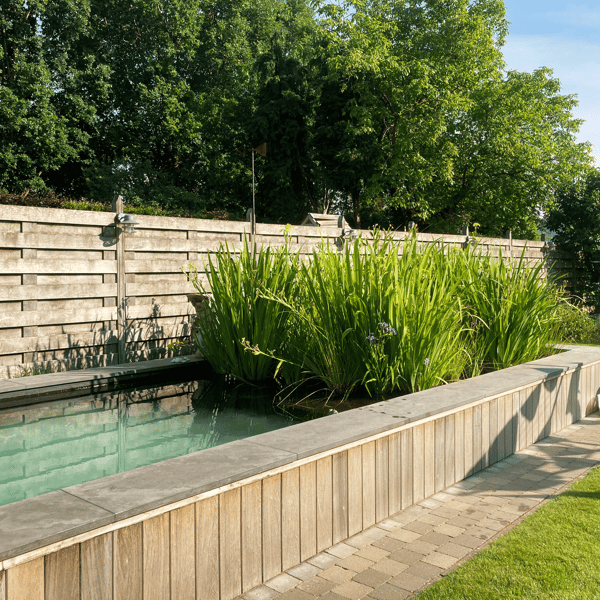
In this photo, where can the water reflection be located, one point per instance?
(51, 446)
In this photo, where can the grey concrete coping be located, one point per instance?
(54, 386)
(34, 523)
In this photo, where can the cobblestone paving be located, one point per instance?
(398, 557)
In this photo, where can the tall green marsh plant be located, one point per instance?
(513, 309)
(238, 314)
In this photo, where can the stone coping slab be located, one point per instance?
(91, 505)
(35, 389)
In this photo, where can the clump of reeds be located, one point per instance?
(387, 316)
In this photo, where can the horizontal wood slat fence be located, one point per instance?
(77, 292)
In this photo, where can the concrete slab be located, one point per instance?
(143, 489)
(37, 522)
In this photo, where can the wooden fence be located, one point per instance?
(78, 292)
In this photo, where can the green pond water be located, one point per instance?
(46, 447)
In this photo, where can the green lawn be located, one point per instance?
(553, 554)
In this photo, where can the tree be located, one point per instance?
(45, 114)
(514, 147)
(575, 219)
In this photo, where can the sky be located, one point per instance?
(565, 37)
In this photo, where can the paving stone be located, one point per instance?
(443, 511)
(449, 530)
(356, 563)
(372, 577)
(426, 570)
(493, 524)
(261, 593)
(316, 586)
(440, 560)
(296, 594)
(442, 497)
(480, 532)
(455, 550)
(408, 582)
(388, 543)
(436, 538)
(360, 540)
(375, 533)
(352, 590)
(332, 596)
(421, 547)
(457, 505)
(467, 541)
(390, 567)
(282, 583)
(304, 571)
(405, 535)
(430, 503)
(373, 553)
(323, 560)
(388, 592)
(406, 557)
(461, 522)
(341, 550)
(476, 515)
(389, 525)
(418, 526)
(337, 574)
(432, 520)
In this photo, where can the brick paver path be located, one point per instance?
(397, 558)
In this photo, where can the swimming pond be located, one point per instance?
(50, 446)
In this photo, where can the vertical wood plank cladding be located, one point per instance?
(485, 434)
(207, 549)
(535, 420)
(493, 448)
(529, 400)
(428, 458)
(62, 574)
(156, 554)
(2, 585)
(271, 526)
(468, 412)
(368, 480)
(541, 416)
(477, 438)
(230, 544)
(26, 581)
(340, 496)
(97, 568)
(395, 493)
(502, 421)
(511, 426)
(459, 446)
(440, 455)
(324, 503)
(547, 409)
(518, 429)
(419, 464)
(290, 518)
(449, 469)
(183, 548)
(308, 510)
(355, 490)
(560, 413)
(571, 398)
(382, 466)
(127, 562)
(406, 464)
(251, 536)
(554, 395)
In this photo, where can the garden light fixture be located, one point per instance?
(127, 221)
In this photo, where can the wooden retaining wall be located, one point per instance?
(75, 293)
(223, 543)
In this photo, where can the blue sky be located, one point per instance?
(565, 37)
